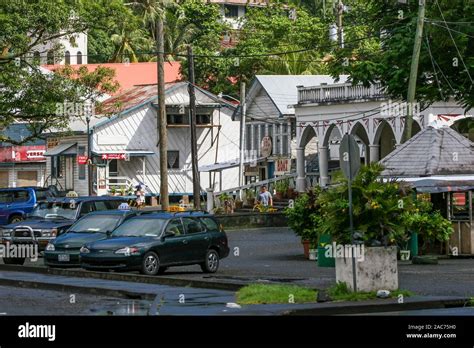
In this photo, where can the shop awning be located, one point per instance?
(62, 149)
(216, 167)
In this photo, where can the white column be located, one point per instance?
(210, 199)
(300, 170)
(323, 166)
(374, 153)
(274, 138)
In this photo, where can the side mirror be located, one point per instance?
(169, 234)
(108, 233)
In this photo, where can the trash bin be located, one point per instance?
(413, 242)
(324, 261)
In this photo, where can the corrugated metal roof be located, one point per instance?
(282, 88)
(432, 151)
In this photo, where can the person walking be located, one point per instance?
(265, 197)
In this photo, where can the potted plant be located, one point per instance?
(281, 188)
(250, 197)
(303, 220)
(380, 211)
(123, 190)
(112, 190)
(238, 203)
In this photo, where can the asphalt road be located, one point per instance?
(275, 254)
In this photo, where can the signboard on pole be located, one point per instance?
(349, 156)
(282, 166)
(113, 156)
(266, 146)
(82, 159)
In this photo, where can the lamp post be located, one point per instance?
(89, 161)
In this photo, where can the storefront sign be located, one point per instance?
(251, 171)
(266, 147)
(52, 142)
(282, 166)
(34, 153)
(114, 156)
(82, 159)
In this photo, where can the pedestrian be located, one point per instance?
(265, 197)
(140, 194)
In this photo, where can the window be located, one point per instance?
(101, 206)
(36, 58)
(86, 208)
(79, 57)
(173, 159)
(81, 150)
(175, 226)
(21, 196)
(6, 197)
(203, 119)
(67, 57)
(175, 119)
(50, 58)
(192, 226)
(231, 11)
(210, 224)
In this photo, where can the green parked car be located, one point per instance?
(153, 242)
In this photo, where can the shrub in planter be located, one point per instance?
(250, 197)
(381, 212)
(281, 188)
(303, 219)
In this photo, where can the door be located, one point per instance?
(175, 248)
(3, 179)
(27, 178)
(198, 238)
(69, 175)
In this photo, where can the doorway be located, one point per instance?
(69, 175)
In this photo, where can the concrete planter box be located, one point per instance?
(377, 269)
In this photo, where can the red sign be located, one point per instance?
(113, 156)
(82, 159)
(34, 153)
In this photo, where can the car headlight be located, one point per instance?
(127, 251)
(6, 232)
(50, 247)
(49, 233)
(84, 250)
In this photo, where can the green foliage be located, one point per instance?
(249, 194)
(384, 213)
(267, 294)
(304, 217)
(340, 292)
(282, 186)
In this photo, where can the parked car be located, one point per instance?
(64, 249)
(151, 243)
(15, 203)
(51, 218)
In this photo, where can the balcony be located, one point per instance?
(345, 92)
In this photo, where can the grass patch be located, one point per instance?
(269, 293)
(340, 292)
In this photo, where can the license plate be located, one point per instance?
(63, 257)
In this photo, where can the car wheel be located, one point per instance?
(13, 260)
(150, 264)
(211, 263)
(15, 218)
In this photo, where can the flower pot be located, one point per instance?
(313, 254)
(290, 193)
(404, 255)
(306, 244)
(278, 196)
(239, 204)
(376, 269)
(250, 202)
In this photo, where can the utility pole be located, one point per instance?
(340, 33)
(89, 157)
(414, 71)
(161, 119)
(192, 124)
(243, 108)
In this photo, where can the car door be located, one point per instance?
(175, 249)
(6, 200)
(197, 237)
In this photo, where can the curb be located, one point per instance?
(77, 289)
(159, 280)
(377, 306)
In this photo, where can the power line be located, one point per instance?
(456, 31)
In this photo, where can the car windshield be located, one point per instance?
(96, 223)
(140, 228)
(54, 210)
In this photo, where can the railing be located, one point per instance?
(338, 92)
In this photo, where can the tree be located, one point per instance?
(446, 66)
(29, 93)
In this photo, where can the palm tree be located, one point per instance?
(294, 64)
(128, 43)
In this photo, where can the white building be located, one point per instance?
(233, 11)
(71, 49)
(327, 112)
(125, 145)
